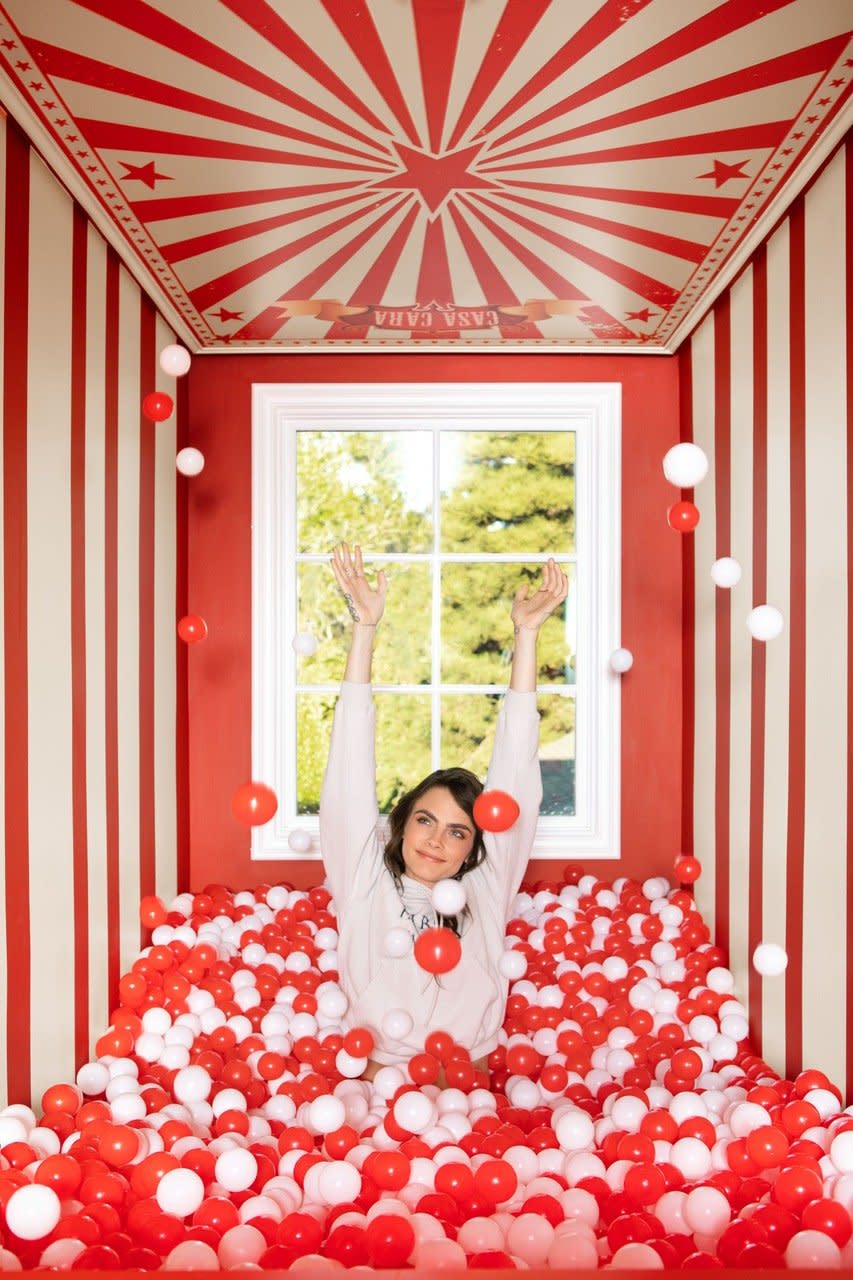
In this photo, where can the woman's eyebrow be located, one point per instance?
(461, 825)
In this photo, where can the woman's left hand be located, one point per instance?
(529, 612)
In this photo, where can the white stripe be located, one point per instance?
(3, 991)
(96, 794)
(128, 617)
(825, 925)
(702, 346)
(48, 632)
(165, 696)
(740, 639)
(778, 653)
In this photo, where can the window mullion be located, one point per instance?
(435, 652)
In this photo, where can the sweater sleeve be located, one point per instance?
(349, 809)
(514, 768)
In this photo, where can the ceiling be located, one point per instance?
(371, 174)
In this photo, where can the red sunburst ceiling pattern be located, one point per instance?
(544, 173)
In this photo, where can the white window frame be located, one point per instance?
(593, 412)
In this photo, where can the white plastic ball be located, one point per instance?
(305, 644)
(300, 841)
(326, 1113)
(192, 1084)
(574, 1129)
(175, 360)
(339, 1182)
(685, 465)
(512, 965)
(397, 942)
(189, 461)
(707, 1210)
(236, 1169)
(396, 1024)
(191, 1255)
(32, 1211)
(636, 1256)
(726, 572)
(448, 897)
(769, 959)
(93, 1078)
(812, 1250)
(180, 1192)
(764, 622)
(621, 660)
(414, 1112)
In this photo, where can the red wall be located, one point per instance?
(219, 588)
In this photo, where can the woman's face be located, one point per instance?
(437, 837)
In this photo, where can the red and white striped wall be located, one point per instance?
(89, 666)
(767, 384)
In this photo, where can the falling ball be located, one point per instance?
(192, 629)
(253, 803)
(299, 840)
(764, 622)
(495, 811)
(397, 942)
(304, 644)
(685, 465)
(189, 461)
(683, 517)
(621, 660)
(769, 959)
(726, 572)
(688, 869)
(438, 950)
(158, 406)
(175, 360)
(448, 897)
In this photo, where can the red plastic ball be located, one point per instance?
(495, 811)
(254, 803)
(158, 406)
(683, 517)
(688, 869)
(192, 629)
(437, 950)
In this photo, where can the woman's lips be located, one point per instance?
(430, 857)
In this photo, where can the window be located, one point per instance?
(460, 492)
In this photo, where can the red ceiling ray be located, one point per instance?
(626, 166)
(517, 21)
(157, 26)
(356, 25)
(704, 31)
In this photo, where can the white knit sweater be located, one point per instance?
(469, 1001)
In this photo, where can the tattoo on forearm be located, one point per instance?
(353, 612)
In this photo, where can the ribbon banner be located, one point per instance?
(433, 317)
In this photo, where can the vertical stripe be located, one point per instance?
(127, 617)
(4, 933)
(797, 703)
(759, 664)
(111, 407)
(78, 633)
(146, 604)
(16, 750)
(688, 624)
(776, 655)
(848, 364)
(164, 690)
(48, 480)
(182, 735)
(740, 644)
(96, 630)
(702, 379)
(722, 744)
(824, 1002)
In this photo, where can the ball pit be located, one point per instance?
(624, 1121)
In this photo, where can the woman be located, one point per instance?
(380, 884)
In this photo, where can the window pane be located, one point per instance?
(508, 491)
(403, 753)
(402, 654)
(557, 754)
(370, 487)
(468, 734)
(476, 628)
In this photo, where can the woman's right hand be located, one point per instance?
(365, 603)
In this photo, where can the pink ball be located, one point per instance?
(574, 1251)
(241, 1244)
(529, 1237)
(812, 1249)
(707, 1210)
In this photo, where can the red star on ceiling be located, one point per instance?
(722, 172)
(435, 178)
(146, 173)
(223, 315)
(644, 316)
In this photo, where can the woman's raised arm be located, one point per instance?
(528, 614)
(366, 605)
